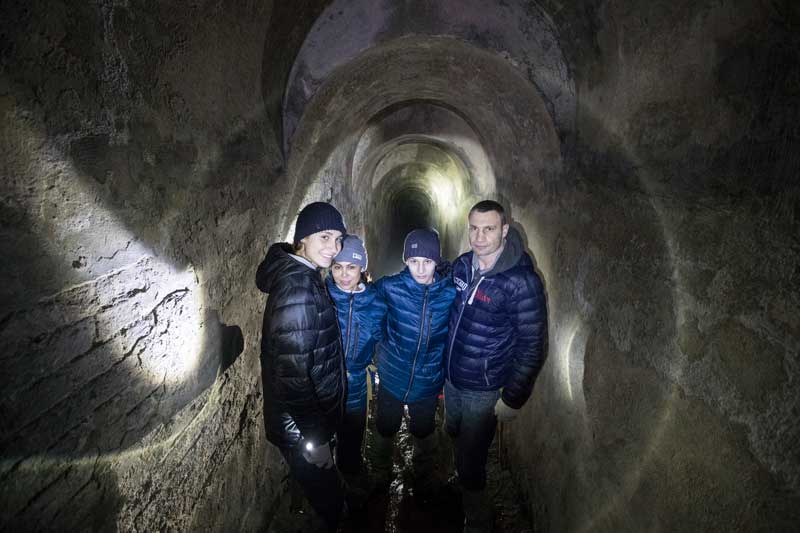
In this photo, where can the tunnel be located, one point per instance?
(647, 151)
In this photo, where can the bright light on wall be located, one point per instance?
(179, 332)
(444, 194)
(571, 349)
(149, 312)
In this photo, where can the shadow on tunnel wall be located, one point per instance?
(130, 218)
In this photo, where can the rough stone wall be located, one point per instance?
(518, 33)
(135, 157)
(670, 252)
(141, 181)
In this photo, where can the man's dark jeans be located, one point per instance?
(422, 415)
(349, 439)
(471, 423)
(322, 486)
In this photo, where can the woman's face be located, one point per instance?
(421, 269)
(321, 247)
(346, 275)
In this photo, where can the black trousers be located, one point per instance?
(349, 439)
(390, 415)
(322, 487)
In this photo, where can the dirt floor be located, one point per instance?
(399, 511)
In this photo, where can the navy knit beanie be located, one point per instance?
(353, 251)
(315, 217)
(422, 243)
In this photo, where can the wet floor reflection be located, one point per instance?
(399, 511)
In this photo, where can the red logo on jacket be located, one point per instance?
(482, 296)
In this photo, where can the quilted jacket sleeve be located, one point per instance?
(293, 333)
(529, 319)
(381, 296)
(379, 311)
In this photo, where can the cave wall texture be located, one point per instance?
(136, 159)
(648, 150)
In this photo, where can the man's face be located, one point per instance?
(422, 269)
(486, 232)
(346, 275)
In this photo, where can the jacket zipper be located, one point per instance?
(458, 321)
(428, 336)
(419, 343)
(486, 371)
(349, 327)
(355, 341)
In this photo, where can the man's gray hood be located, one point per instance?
(511, 254)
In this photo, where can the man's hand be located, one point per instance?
(503, 412)
(319, 456)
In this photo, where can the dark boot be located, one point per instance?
(358, 487)
(382, 452)
(477, 511)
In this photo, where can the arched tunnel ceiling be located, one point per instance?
(411, 152)
(517, 32)
(419, 187)
(507, 113)
(427, 123)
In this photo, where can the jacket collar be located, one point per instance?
(408, 279)
(302, 260)
(512, 253)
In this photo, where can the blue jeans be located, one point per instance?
(470, 421)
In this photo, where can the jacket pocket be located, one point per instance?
(486, 370)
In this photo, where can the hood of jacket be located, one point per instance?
(363, 297)
(513, 251)
(279, 263)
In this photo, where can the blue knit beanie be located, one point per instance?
(353, 251)
(422, 243)
(316, 217)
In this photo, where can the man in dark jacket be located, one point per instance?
(498, 329)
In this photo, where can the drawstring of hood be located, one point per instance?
(474, 291)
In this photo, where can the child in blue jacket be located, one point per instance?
(410, 357)
(362, 316)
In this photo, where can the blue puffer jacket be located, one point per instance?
(410, 356)
(362, 320)
(498, 325)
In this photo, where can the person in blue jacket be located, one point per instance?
(362, 318)
(410, 358)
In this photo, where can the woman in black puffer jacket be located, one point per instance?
(302, 364)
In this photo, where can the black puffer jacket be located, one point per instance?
(302, 366)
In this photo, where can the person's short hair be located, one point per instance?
(484, 206)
